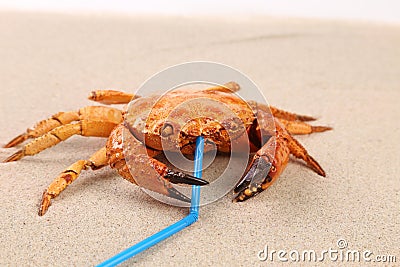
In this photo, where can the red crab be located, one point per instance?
(150, 126)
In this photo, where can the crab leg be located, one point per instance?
(293, 123)
(269, 162)
(92, 113)
(111, 97)
(70, 174)
(297, 150)
(61, 133)
(301, 127)
(44, 126)
(144, 170)
(282, 114)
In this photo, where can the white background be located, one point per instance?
(370, 10)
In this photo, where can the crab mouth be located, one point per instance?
(208, 142)
(212, 130)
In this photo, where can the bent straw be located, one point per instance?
(174, 228)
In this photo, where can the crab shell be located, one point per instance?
(174, 120)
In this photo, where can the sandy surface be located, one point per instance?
(346, 74)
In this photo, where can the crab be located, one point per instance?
(151, 129)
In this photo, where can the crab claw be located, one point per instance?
(183, 178)
(254, 181)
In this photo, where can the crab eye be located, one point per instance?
(167, 130)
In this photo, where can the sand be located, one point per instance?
(345, 73)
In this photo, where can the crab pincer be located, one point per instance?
(269, 162)
(264, 168)
(176, 177)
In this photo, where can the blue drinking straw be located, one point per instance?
(174, 228)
